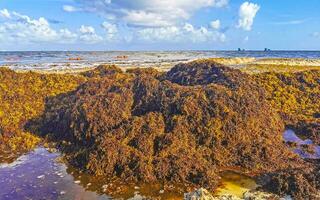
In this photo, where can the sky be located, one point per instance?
(159, 25)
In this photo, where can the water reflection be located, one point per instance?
(302, 147)
(235, 184)
(38, 175)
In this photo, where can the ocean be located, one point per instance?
(61, 60)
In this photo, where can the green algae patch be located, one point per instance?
(22, 97)
(176, 127)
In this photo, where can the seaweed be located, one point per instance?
(300, 184)
(179, 126)
(22, 97)
(296, 97)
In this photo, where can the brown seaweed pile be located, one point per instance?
(296, 98)
(179, 126)
(22, 98)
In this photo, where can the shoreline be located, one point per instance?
(247, 64)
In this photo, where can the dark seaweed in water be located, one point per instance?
(300, 184)
(175, 127)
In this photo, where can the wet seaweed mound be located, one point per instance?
(296, 97)
(298, 183)
(181, 126)
(22, 98)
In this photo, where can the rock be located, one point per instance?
(203, 194)
(200, 194)
(257, 195)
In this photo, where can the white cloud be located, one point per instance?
(19, 28)
(87, 29)
(88, 35)
(26, 28)
(22, 28)
(292, 22)
(5, 13)
(247, 13)
(69, 8)
(170, 33)
(155, 13)
(67, 35)
(177, 34)
(215, 24)
(111, 30)
(142, 18)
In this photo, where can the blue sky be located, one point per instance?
(159, 24)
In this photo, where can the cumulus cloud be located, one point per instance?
(111, 30)
(215, 24)
(22, 28)
(87, 29)
(19, 28)
(247, 13)
(25, 29)
(186, 33)
(5, 13)
(88, 35)
(155, 13)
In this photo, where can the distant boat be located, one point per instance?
(239, 49)
(266, 49)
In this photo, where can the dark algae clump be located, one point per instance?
(179, 126)
(298, 183)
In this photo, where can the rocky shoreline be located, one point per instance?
(179, 126)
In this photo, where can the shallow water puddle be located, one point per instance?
(290, 136)
(235, 184)
(37, 175)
